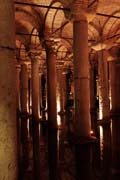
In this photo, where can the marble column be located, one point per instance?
(81, 78)
(93, 96)
(24, 113)
(35, 87)
(18, 68)
(8, 134)
(103, 85)
(35, 115)
(52, 110)
(60, 97)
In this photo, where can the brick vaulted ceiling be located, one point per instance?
(37, 20)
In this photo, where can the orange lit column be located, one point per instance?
(60, 97)
(35, 86)
(82, 122)
(35, 114)
(52, 110)
(24, 113)
(8, 134)
(18, 68)
(93, 94)
(81, 78)
(103, 85)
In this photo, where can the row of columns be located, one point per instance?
(82, 125)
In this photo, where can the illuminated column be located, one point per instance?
(18, 68)
(52, 109)
(93, 96)
(82, 122)
(24, 112)
(24, 88)
(35, 86)
(103, 84)
(61, 85)
(51, 84)
(81, 78)
(18, 87)
(8, 134)
(35, 114)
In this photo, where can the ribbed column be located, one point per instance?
(52, 110)
(81, 78)
(8, 134)
(35, 114)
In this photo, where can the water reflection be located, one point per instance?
(101, 142)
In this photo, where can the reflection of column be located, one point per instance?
(35, 115)
(8, 135)
(24, 113)
(52, 111)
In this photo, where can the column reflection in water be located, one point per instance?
(58, 110)
(105, 149)
(101, 142)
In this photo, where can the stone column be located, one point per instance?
(8, 134)
(103, 84)
(43, 96)
(93, 96)
(18, 68)
(35, 114)
(52, 110)
(82, 122)
(114, 69)
(81, 78)
(24, 113)
(35, 86)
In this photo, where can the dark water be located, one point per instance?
(100, 160)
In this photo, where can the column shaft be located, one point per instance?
(52, 114)
(35, 117)
(8, 135)
(81, 78)
(35, 88)
(24, 114)
(103, 84)
(51, 88)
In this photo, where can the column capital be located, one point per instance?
(50, 45)
(34, 54)
(81, 10)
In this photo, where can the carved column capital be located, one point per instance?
(82, 10)
(50, 46)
